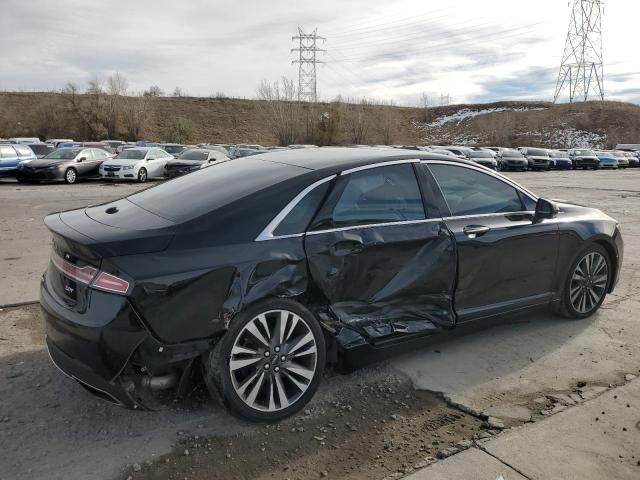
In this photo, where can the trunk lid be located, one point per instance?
(82, 238)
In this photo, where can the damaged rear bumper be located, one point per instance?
(109, 351)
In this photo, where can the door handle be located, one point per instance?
(474, 231)
(346, 247)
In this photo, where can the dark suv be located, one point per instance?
(584, 158)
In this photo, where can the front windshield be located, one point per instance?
(537, 153)
(586, 153)
(199, 155)
(480, 154)
(41, 149)
(173, 148)
(606, 155)
(63, 154)
(559, 154)
(511, 154)
(132, 154)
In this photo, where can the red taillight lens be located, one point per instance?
(103, 280)
(80, 274)
(111, 283)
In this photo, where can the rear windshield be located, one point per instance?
(200, 155)
(208, 189)
(173, 148)
(132, 154)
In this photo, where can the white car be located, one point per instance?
(139, 163)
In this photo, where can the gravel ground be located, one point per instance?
(50, 428)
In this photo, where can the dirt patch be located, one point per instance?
(21, 329)
(370, 430)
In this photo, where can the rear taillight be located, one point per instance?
(111, 283)
(86, 275)
(80, 274)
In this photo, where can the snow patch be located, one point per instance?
(465, 113)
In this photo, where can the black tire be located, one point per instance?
(567, 308)
(218, 375)
(142, 175)
(70, 176)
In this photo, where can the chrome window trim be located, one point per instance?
(484, 215)
(373, 225)
(491, 173)
(267, 233)
(376, 165)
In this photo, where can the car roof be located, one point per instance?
(335, 159)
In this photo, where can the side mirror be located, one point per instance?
(82, 159)
(546, 209)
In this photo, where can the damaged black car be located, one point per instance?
(257, 274)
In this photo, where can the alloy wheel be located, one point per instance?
(273, 360)
(142, 175)
(589, 282)
(71, 176)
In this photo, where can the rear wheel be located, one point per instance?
(142, 175)
(71, 176)
(269, 363)
(587, 283)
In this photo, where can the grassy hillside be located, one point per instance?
(225, 120)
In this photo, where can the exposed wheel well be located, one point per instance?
(613, 257)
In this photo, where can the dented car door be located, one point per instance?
(383, 264)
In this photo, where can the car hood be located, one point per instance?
(537, 157)
(586, 157)
(44, 163)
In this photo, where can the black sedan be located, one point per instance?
(67, 164)
(191, 160)
(263, 271)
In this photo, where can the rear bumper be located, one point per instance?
(94, 346)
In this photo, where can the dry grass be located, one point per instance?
(229, 120)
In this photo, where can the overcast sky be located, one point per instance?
(474, 50)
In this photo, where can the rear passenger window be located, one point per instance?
(23, 151)
(301, 215)
(470, 192)
(7, 151)
(380, 195)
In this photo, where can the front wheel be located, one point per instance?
(142, 175)
(70, 176)
(269, 363)
(587, 283)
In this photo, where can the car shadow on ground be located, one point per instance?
(46, 414)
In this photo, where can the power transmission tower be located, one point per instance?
(307, 84)
(582, 68)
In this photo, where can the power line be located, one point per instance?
(307, 61)
(582, 66)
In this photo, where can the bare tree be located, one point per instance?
(358, 123)
(177, 92)
(179, 131)
(281, 109)
(117, 85)
(89, 110)
(135, 114)
(153, 91)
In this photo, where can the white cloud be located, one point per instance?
(489, 50)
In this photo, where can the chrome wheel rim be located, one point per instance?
(273, 360)
(143, 175)
(589, 282)
(71, 176)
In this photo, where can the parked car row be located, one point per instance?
(536, 158)
(30, 160)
